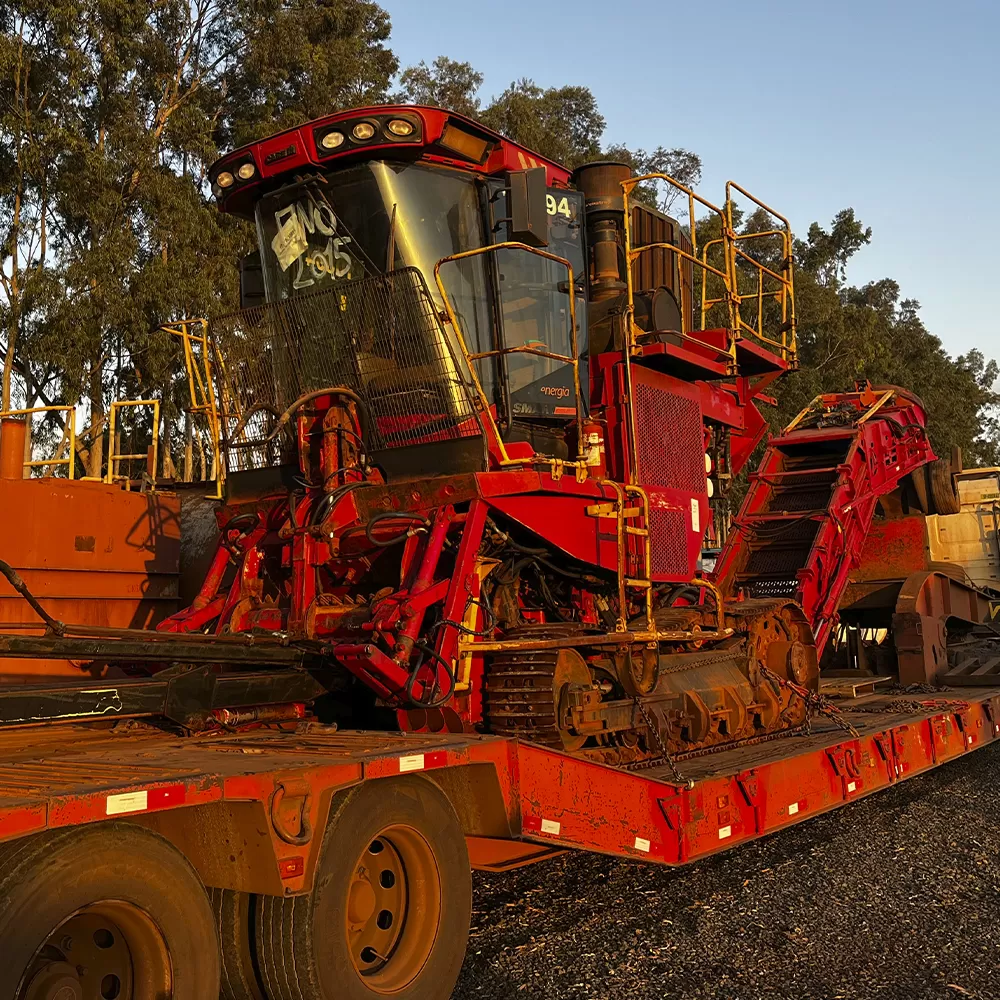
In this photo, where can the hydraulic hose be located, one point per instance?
(430, 701)
(392, 515)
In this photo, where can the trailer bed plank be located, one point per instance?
(72, 775)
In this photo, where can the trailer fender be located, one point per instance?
(268, 845)
(475, 795)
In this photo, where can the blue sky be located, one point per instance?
(891, 107)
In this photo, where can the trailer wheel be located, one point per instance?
(234, 916)
(107, 911)
(390, 909)
(942, 484)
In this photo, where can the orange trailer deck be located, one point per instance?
(243, 807)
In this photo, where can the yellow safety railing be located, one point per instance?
(641, 579)
(193, 334)
(115, 458)
(726, 274)
(485, 414)
(70, 433)
(782, 287)
(693, 256)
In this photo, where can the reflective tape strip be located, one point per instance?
(551, 826)
(725, 831)
(415, 762)
(641, 844)
(127, 802)
(793, 809)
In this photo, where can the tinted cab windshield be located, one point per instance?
(380, 216)
(365, 220)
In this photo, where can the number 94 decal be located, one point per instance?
(558, 206)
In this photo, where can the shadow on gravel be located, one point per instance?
(894, 898)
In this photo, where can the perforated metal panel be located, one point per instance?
(670, 438)
(774, 588)
(802, 496)
(668, 542)
(775, 561)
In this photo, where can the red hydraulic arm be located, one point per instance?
(803, 522)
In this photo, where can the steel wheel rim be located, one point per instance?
(393, 909)
(108, 950)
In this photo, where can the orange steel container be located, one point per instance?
(13, 431)
(91, 553)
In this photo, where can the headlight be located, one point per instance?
(225, 179)
(400, 127)
(362, 131)
(246, 171)
(332, 140)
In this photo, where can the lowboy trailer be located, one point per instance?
(108, 828)
(478, 413)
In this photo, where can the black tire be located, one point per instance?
(234, 917)
(139, 891)
(303, 945)
(942, 487)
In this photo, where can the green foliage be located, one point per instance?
(444, 84)
(288, 61)
(681, 164)
(849, 334)
(562, 123)
(112, 111)
(825, 254)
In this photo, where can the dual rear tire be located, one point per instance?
(388, 915)
(110, 911)
(113, 911)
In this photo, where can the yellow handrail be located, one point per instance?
(785, 292)
(734, 259)
(485, 413)
(115, 457)
(633, 253)
(201, 387)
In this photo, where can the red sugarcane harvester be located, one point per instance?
(478, 414)
(473, 430)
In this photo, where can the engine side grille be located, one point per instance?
(668, 543)
(670, 438)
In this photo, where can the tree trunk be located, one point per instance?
(95, 466)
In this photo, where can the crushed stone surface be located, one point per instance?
(895, 897)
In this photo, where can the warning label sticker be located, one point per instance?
(290, 243)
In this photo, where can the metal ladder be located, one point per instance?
(627, 529)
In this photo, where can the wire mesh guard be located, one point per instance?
(379, 336)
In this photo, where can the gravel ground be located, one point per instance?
(896, 896)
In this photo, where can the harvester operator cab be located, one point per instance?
(377, 271)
